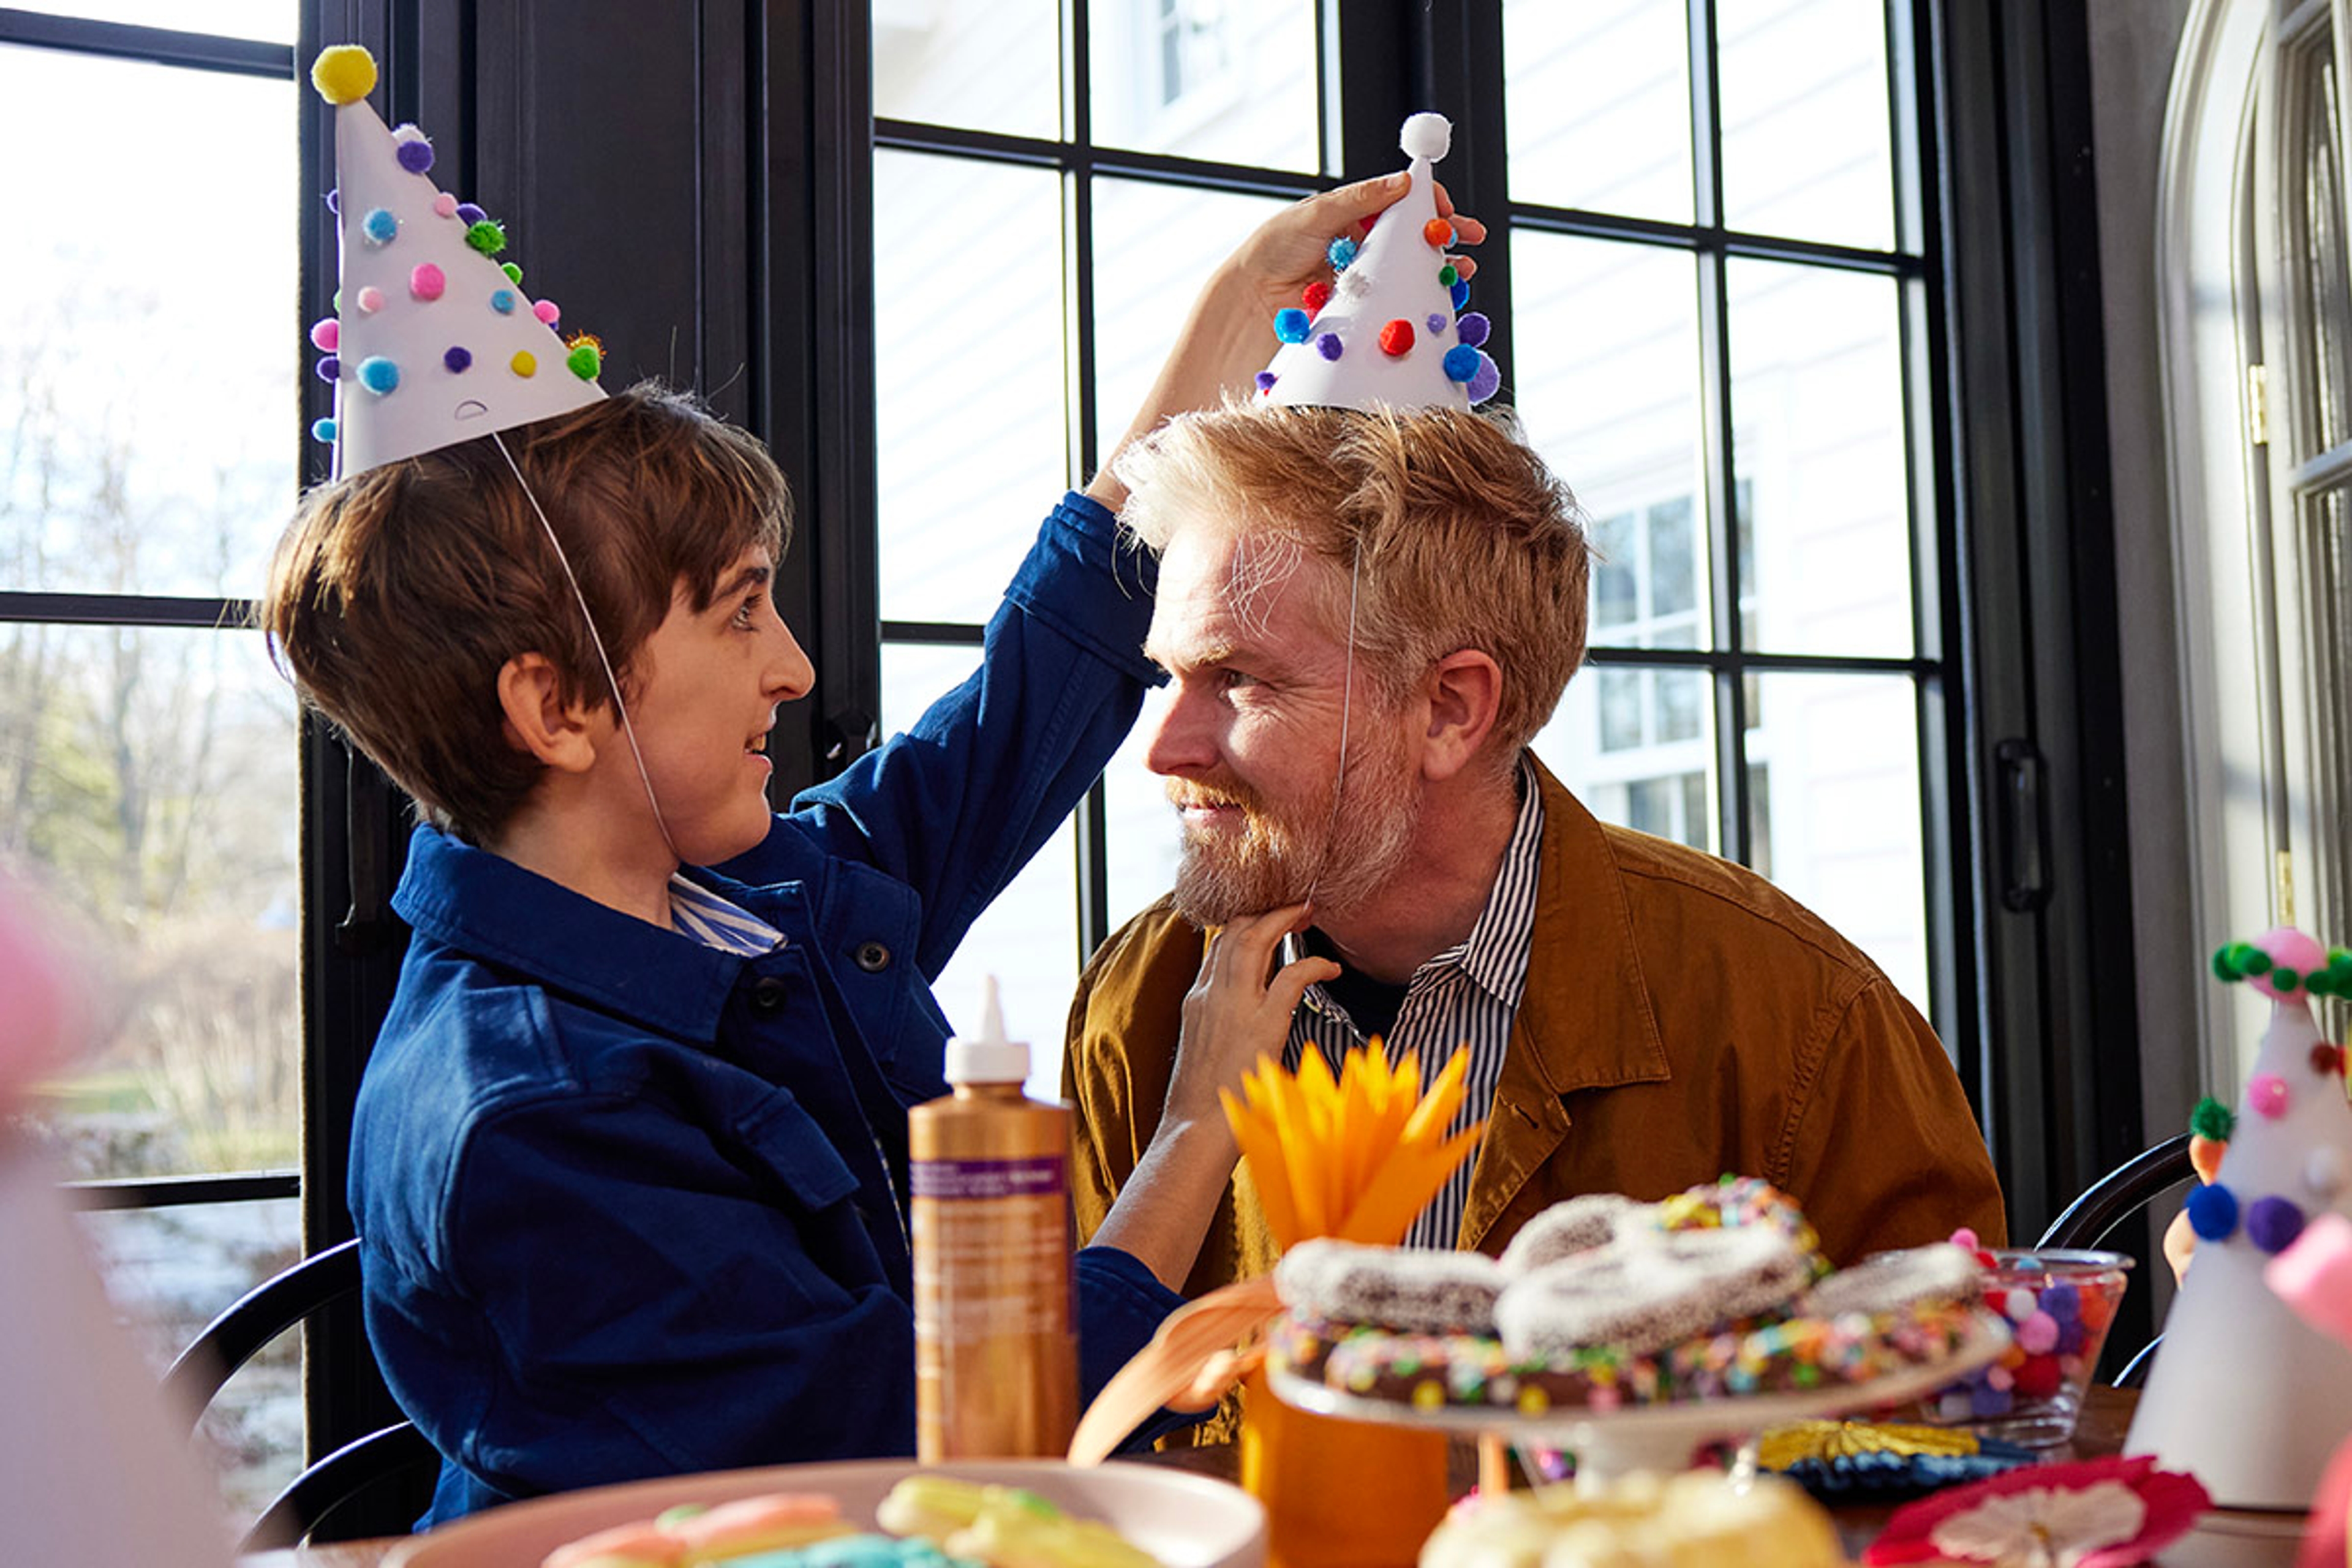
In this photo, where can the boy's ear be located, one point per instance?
(538, 721)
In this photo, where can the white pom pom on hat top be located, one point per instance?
(1426, 135)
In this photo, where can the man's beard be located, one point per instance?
(1278, 858)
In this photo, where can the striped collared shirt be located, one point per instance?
(1468, 994)
(699, 913)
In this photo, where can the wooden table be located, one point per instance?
(2223, 1538)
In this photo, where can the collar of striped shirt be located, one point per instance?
(699, 913)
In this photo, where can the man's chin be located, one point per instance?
(1208, 896)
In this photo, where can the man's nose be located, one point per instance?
(1180, 741)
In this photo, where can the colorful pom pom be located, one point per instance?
(2323, 1173)
(427, 281)
(512, 269)
(524, 363)
(1448, 275)
(1487, 382)
(370, 299)
(2213, 1120)
(546, 310)
(488, 235)
(2213, 1212)
(1965, 1238)
(322, 430)
(2267, 1093)
(325, 333)
(1265, 382)
(444, 205)
(416, 156)
(1438, 232)
(1461, 362)
(1425, 135)
(1436, 323)
(379, 374)
(2038, 1333)
(380, 227)
(457, 360)
(2328, 1061)
(329, 369)
(584, 360)
(1472, 328)
(1290, 324)
(469, 215)
(1316, 295)
(1396, 338)
(503, 301)
(1342, 251)
(1460, 295)
(1329, 346)
(343, 74)
(2274, 1223)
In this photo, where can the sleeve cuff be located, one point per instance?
(1090, 583)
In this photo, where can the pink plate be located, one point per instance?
(1183, 1520)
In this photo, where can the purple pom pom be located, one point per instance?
(2274, 1223)
(1488, 380)
(1461, 362)
(415, 156)
(1436, 323)
(329, 368)
(1328, 344)
(458, 359)
(1472, 328)
(1265, 381)
(469, 215)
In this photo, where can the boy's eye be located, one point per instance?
(748, 613)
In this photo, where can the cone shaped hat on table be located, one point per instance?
(1389, 332)
(2244, 1393)
(433, 340)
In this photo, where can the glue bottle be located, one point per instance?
(995, 1353)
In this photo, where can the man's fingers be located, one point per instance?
(1351, 205)
(1289, 986)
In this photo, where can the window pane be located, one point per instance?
(1596, 98)
(148, 777)
(1817, 418)
(149, 408)
(988, 65)
(169, 1272)
(1841, 828)
(1607, 381)
(1154, 246)
(1633, 745)
(1029, 937)
(1207, 79)
(968, 378)
(273, 21)
(1807, 147)
(2326, 285)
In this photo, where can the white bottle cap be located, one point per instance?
(989, 1058)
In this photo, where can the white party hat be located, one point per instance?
(1390, 333)
(433, 340)
(2244, 1393)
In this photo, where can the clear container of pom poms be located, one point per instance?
(2059, 1305)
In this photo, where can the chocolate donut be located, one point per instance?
(1566, 1228)
(1647, 1293)
(1412, 1289)
(1890, 1281)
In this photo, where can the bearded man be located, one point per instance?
(1641, 1016)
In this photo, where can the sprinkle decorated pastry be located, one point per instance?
(1640, 1522)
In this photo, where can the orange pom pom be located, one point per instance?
(1438, 232)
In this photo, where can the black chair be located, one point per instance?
(232, 1339)
(2111, 1200)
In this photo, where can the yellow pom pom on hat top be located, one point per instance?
(343, 74)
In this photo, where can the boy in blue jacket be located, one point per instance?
(629, 1161)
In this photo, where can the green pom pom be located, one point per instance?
(2284, 979)
(2253, 960)
(2213, 1120)
(2224, 969)
(1448, 275)
(584, 362)
(489, 237)
(513, 272)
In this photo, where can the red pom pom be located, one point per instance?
(1438, 232)
(1396, 338)
(1315, 296)
(2039, 1377)
(2326, 1058)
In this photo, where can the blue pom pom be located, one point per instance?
(503, 301)
(1329, 346)
(458, 359)
(329, 368)
(380, 226)
(1342, 251)
(335, 202)
(1265, 381)
(1461, 362)
(2213, 1213)
(1488, 380)
(1461, 292)
(1472, 328)
(469, 215)
(415, 156)
(379, 374)
(1290, 325)
(322, 430)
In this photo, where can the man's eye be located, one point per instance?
(1229, 678)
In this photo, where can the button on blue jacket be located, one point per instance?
(630, 1205)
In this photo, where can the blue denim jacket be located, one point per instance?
(630, 1205)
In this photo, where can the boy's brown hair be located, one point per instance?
(397, 596)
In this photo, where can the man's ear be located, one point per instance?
(537, 719)
(1464, 690)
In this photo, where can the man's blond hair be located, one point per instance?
(1462, 537)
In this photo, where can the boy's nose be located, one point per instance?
(790, 673)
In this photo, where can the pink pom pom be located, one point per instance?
(444, 205)
(427, 281)
(325, 334)
(2288, 949)
(2038, 1335)
(1965, 1239)
(2267, 1094)
(2000, 1378)
(546, 312)
(370, 299)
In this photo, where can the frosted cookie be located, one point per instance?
(1414, 1289)
(1890, 1281)
(644, 1544)
(1641, 1521)
(1579, 1224)
(1644, 1295)
(1002, 1527)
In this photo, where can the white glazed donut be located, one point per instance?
(1576, 1225)
(1890, 1281)
(1412, 1289)
(1646, 1294)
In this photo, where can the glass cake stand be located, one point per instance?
(1608, 1444)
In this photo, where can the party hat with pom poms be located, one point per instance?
(1389, 331)
(433, 340)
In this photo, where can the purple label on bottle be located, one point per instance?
(1038, 1178)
